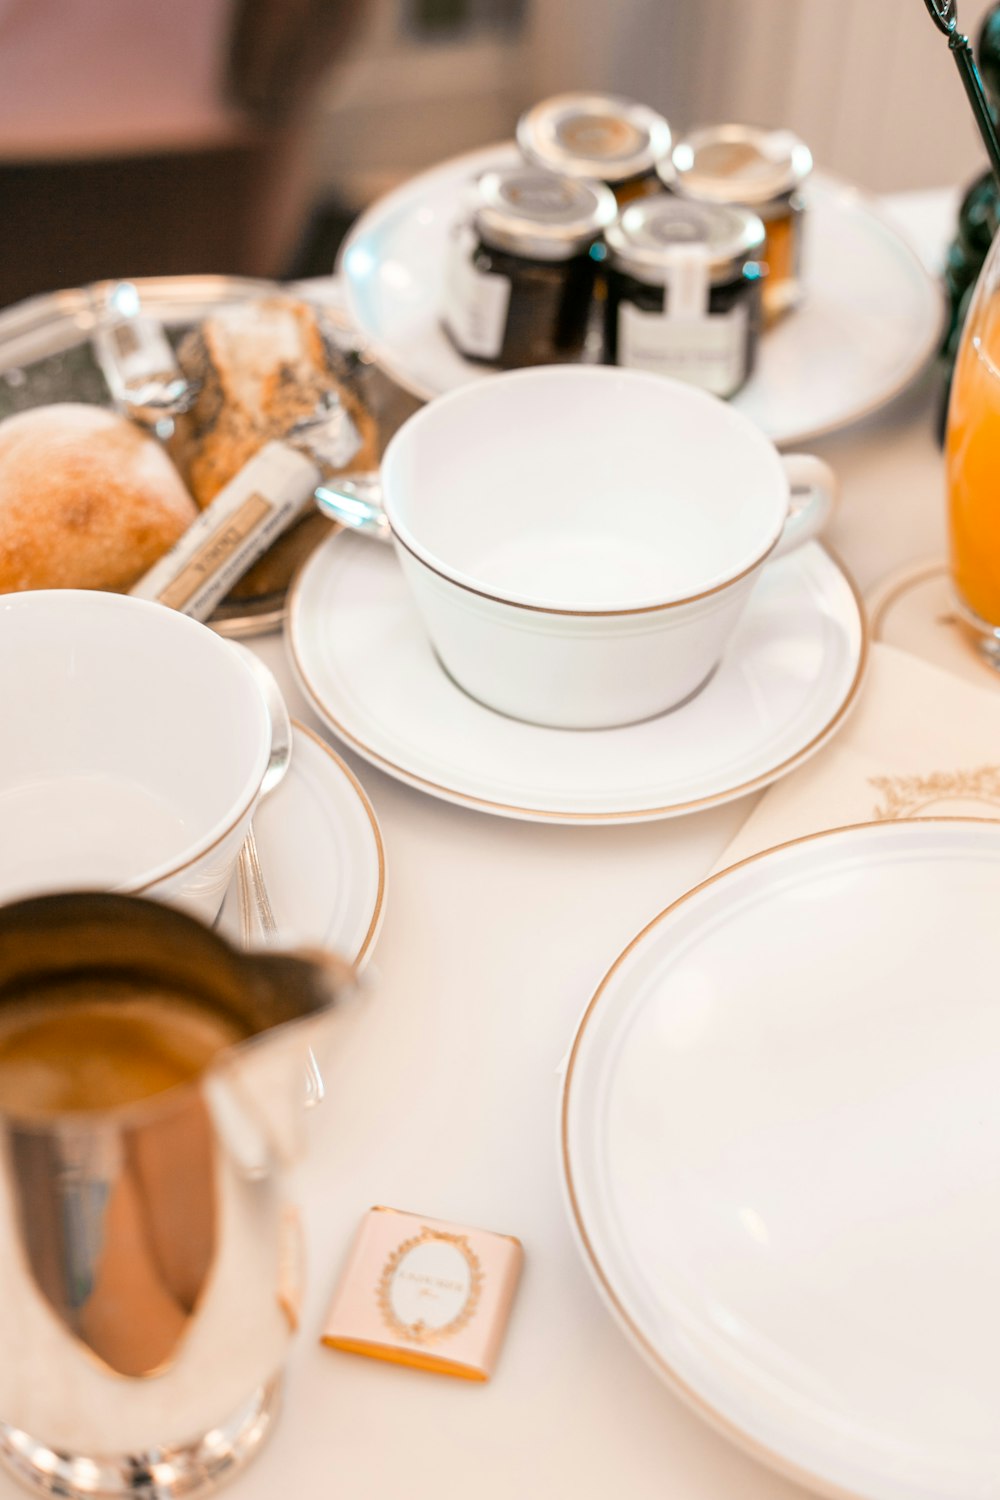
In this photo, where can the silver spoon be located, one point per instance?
(944, 14)
(250, 876)
(355, 500)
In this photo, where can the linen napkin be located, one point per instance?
(921, 742)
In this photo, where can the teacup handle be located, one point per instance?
(813, 486)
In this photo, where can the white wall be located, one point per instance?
(870, 84)
(397, 106)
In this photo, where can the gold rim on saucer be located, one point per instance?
(892, 589)
(376, 919)
(542, 815)
(914, 609)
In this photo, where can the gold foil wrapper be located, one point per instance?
(422, 1292)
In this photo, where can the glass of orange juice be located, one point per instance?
(972, 450)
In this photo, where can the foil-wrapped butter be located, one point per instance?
(143, 376)
(238, 526)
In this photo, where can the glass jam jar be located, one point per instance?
(600, 137)
(519, 283)
(762, 170)
(683, 291)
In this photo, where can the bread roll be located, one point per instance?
(87, 500)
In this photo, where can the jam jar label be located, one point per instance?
(475, 302)
(710, 350)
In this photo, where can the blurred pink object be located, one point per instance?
(79, 78)
(139, 137)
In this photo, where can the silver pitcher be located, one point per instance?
(149, 1255)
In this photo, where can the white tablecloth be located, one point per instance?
(444, 1095)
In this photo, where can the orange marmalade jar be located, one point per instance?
(599, 137)
(762, 170)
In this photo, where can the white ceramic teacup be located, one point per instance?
(134, 747)
(580, 541)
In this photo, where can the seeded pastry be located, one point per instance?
(262, 367)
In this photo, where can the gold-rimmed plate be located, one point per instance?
(786, 683)
(780, 1130)
(870, 321)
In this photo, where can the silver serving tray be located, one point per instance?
(46, 356)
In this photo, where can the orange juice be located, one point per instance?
(973, 465)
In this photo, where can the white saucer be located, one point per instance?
(781, 1130)
(914, 609)
(870, 321)
(784, 686)
(321, 852)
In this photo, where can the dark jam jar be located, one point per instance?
(683, 294)
(599, 137)
(519, 283)
(762, 170)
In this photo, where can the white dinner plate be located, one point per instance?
(781, 1137)
(321, 853)
(789, 675)
(870, 321)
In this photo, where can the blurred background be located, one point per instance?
(139, 137)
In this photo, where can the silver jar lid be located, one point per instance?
(594, 135)
(739, 164)
(647, 236)
(536, 214)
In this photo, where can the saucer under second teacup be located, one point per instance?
(785, 685)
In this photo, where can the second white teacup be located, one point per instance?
(136, 743)
(580, 541)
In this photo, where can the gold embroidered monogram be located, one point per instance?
(430, 1286)
(910, 796)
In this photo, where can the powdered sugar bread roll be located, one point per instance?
(87, 500)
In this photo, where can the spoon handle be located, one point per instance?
(355, 500)
(945, 16)
(253, 894)
(969, 74)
